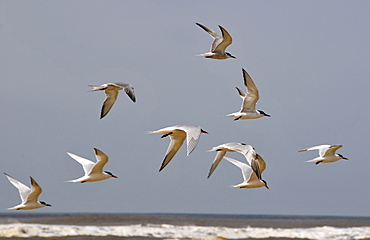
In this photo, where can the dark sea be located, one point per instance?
(180, 226)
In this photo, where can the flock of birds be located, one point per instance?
(252, 172)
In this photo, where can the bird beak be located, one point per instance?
(204, 131)
(49, 205)
(345, 158)
(114, 176)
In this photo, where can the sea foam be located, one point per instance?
(179, 232)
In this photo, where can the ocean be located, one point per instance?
(180, 226)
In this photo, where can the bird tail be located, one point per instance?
(207, 55)
(71, 180)
(313, 160)
(95, 88)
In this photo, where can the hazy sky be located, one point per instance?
(309, 59)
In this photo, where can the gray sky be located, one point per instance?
(309, 59)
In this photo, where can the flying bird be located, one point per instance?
(221, 149)
(28, 196)
(93, 171)
(326, 153)
(250, 99)
(111, 92)
(177, 135)
(219, 45)
(252, 173)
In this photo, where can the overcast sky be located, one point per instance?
(309, 60)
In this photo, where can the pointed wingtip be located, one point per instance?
(97, 151)
(70, 154)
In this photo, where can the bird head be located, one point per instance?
(229, 55)
(263, 113)
(45, 204)
(202, 131)
(265, 184)
(111, 174)
(343, 157)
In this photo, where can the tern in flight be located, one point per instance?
(252, 173)
(250, 99)
(111, 92)
(28, 196)
(219, 45)
(177, 135)
(221, 149)
(93, 171)
(326, 153)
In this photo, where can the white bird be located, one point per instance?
(326, 153)
(221, 149)
(93, 171)
(252, 174)
(111, 92)
(248, 109)
(177, 135)
(28, 196)
(219, 45)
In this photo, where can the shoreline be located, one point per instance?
(263, 221)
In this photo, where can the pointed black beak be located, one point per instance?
(201, 130)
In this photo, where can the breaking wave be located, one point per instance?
(181, 232)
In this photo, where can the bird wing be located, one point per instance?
(261, 163)
(111, 97)
(250, 98)
(174, 146)
(248, 152)
(246, 170)
(24, 191)
(256, 168)
(217, 38)
(235, 147)
(226, 40)
(322, 149)
(35, 191)
(130, 92)
(220, 154)
(222, 149)
(102, 159)
(128, 89)
(86, 163)
(192, 137)
(330, 151)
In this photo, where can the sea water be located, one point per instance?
(183, 226)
